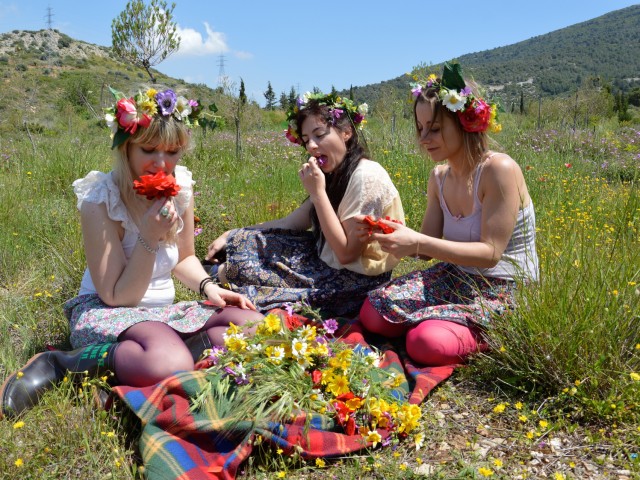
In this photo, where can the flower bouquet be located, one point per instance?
(156, 186)
(290, 371)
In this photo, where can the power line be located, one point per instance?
(221, 73)
(49, 17)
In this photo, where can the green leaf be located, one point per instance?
(452, 76)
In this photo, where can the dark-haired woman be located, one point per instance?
(317, 254)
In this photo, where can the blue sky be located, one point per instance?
(306, 44)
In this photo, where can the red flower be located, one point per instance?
(377, 223)
(128, 116)
(159, 185)
(475, 118)
(316, 377)
(568, 165)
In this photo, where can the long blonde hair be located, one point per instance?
(165, 132)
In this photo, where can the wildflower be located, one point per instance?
(499, 408)
(529, 435)
(453, 101)
(282, 474)
(635, 377)
(518, 405)
(330, 326)
(543, 423)
(523, 418)
(418, 440)
(485, 472)
(403, 466)
(20, 374)
(559, 476)
(18, 463)
(374, 437)
(497, 463)
(320, 463)
(18, 425)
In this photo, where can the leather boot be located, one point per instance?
(197, 344)
(23, 389)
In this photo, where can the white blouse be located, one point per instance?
(98, 187)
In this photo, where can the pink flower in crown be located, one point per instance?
(128, 116)
(292, 137)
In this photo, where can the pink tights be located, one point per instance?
(432, 342)
(151, 351)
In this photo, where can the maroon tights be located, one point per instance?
(152, 351)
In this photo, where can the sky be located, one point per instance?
(321, 44)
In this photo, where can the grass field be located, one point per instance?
(558, 397)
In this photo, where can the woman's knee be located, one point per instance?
(439, 342)
(376, 323)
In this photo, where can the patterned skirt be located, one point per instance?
(443, 292)
(93, 322)
(273, 267)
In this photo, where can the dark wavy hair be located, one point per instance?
(337, 180)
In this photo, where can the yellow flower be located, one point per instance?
(559, 476)
(523, 418)
(279, 451)
(18, 463)
(282, 474)
(635, 377)
(403, 466)
(529, 435)
(374, 437)
(543, 423)
(20, 374)
(272, 323)
(518, 405)
(499, 408)
(485, 472)
(17, 425)
(497, 463)
(320, 463)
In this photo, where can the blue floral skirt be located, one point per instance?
(443, 292)
(273, 267)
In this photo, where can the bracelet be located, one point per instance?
(146, 245)
(205, 281)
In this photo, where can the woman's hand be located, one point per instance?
(158, 220)
(401, 242)
(312, 177)
(218, 245)
(222, 298)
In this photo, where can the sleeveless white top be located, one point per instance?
(98, 187)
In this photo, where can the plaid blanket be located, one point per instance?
(177, 443)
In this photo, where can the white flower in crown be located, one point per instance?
(453, 100)
(363, 109)
(183, 109)
(111, 122)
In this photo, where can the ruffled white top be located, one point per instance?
(98, 187)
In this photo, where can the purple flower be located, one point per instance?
(358, 117)
(167, 102)
(465, 91)
(197, 231)
(337, 112)
(416, 91)
(193, 103)
(288, 308)
(300, 101)
(330, 325)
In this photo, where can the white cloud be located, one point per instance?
(192, 43)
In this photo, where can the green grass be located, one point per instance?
(567, 353)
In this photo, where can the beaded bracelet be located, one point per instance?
(146, 245)
(205, 281)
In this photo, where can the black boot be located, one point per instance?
(23, 389)
(198, 344)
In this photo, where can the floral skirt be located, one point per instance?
(93, 322)
(274, 267)
(443, 292)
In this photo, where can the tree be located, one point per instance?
(284, 101)
(270, 96)
(242, 96)
(145, 35)
(293, 96)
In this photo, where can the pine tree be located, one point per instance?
(242, 96)
(293, 96)
(351, 93)
(284, 101)
(270, 96)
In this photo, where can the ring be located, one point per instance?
(164, 211)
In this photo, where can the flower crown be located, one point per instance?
(338, 106)
(475, 114)
(128, 114)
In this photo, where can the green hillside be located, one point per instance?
(557, 63)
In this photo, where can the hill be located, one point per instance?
(557, 63)
(47, 73)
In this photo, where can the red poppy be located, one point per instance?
(159, 185)
(369, 220)
(316, 377)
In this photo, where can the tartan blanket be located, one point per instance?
(177, 443)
